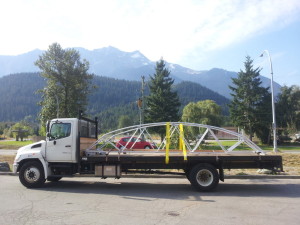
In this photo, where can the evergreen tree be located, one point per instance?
(248, 99)
(288, 109)
(162, 103)
(68, 82)
(264, 116)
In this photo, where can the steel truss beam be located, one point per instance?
(142, 131)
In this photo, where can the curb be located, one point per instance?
(182, 176)
(8, 173)
(262, 177)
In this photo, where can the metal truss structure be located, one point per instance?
(144, 132)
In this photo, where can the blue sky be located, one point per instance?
(199, 34)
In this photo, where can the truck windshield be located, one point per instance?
(60, 130)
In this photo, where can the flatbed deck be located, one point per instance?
(137, 159)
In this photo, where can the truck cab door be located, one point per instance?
(60, 142)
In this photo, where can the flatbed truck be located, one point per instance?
(70, 149)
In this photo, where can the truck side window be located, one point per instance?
(60, 130)
(84, 131)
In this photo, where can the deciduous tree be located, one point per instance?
(68, 82)
(21, 130)
(203, 112)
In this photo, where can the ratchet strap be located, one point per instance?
(167, 142)
(181, 142)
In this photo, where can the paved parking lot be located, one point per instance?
(149, 201)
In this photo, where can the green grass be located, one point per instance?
(13, 144)
(227, 144)
(283, 148)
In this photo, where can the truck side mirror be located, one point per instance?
(48, 135)
(47, 126)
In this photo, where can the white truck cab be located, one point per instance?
(58, 154)
(61, 140)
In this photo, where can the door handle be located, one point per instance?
(68, 146)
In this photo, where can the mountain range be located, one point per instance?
(114, 63)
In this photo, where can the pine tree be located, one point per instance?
(288, 108)
(248, 99)
(162, 103)
(264, 116)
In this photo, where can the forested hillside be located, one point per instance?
(18, 97)
(111, 99)
(187, 91)
(192, 92)
(112, 92)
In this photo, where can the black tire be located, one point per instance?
(54, 179)
(187, 174)
(204, 177)
(32, 174)
(147, 147)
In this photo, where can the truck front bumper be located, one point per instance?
(15, 167)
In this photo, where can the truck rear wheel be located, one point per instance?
(204, 177)
(32, 174)
(187, 173)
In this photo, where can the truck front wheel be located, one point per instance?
(204, 177)
(32, 174)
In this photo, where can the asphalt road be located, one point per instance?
(131, 201)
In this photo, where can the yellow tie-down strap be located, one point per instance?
(181, 142)
(167, 141)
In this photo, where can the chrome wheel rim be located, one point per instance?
(205, 177)
(32, 174)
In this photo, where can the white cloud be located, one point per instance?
(231, 22)
(169, 28)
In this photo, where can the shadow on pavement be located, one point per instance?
(180, 191)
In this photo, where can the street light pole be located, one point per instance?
(273, 102)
